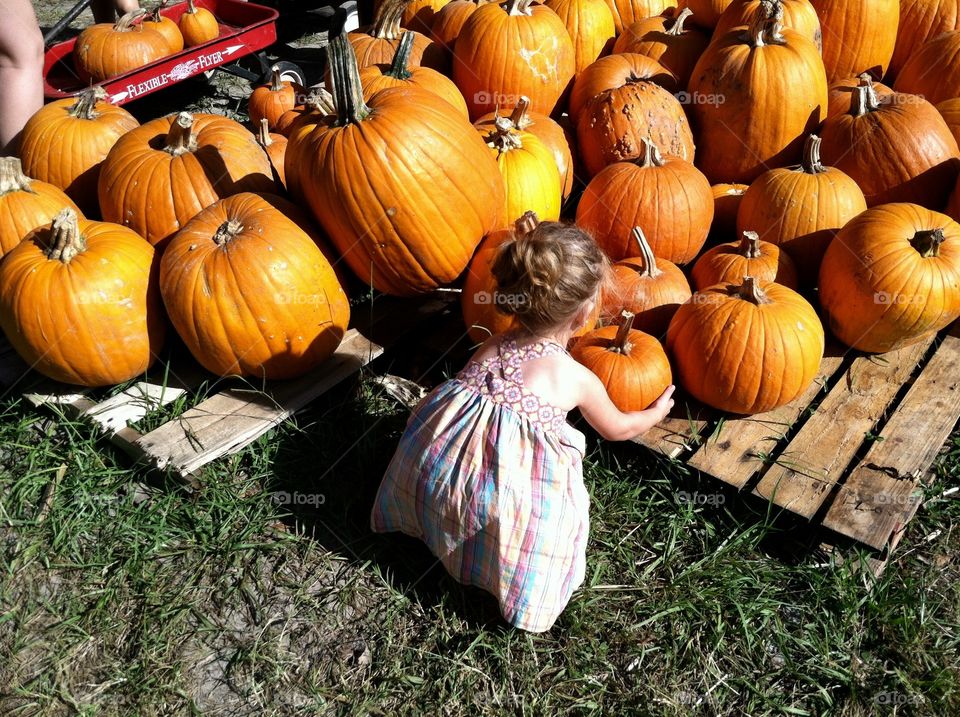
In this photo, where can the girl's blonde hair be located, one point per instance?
(546, 276)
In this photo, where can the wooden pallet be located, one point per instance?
(850, 454)
(225, 421)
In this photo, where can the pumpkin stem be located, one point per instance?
(263, 133)
(766, 27)
(386, 23)
(505, 136)
(86, 105)
(276, 82)
(928, 242)
(519, 115)
(811, 156)
(12, 178)
(864, 100)
(621, 343)
(319, 100)
(227, 232)
(348, 93)
(66, 241)
(191, 8)
(128, 21)
(750, 291)
(526, 223)
(401, 60)
(651, 154)
(750, 246)
(518, 7)
(650, 268)
(677, 27)
(180, 138)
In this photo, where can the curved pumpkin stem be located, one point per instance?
(621, 342)
(180, 138)
(864, 100)
(12, 178)
(928, 242)
(348, 93)
(191, 7)
(386, 23)
(750, 291)
(227, 231)
(518, 7)
(400, 69)
(319, 100)
(263, 133)
(766, 27)
(276, 81)
(519, 116)
(527, 223)
(651, 154)
(750, 246)
(677, 28)
(128, 22)
(811, 156)
(650, 268)
(66, 240)
(86, 105)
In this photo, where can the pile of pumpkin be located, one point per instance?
(138, 38)
(758, 124)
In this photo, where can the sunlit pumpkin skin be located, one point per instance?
(631, 364)
(798, 15)
(950, 111)
(66, 141)
(613, 72)
(370, 177)
(858, 36)
(319, 104)
(108, 49)
(271, 100)
(449, 21)
(842, 95)
(898, 150)
(650, 288)
(419, 15)
(509, 51)
(378, 43)
(270, 305)
(671, 41)
(892, 277)
(590, 26)
(400, 74)
(666, 196)
(546, 130)
(800, 209)
(775, 93)
(706, 13)
(921, 21)
(627, 12)
(726, 204)
(746, 348)
(198, 25)
(318, 108)
(160, 175)
(275, 145)
(166, 27)
(79, 302)
(933, 72)
(728, 263)
(25, 203)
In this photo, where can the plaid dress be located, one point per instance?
(490, 477)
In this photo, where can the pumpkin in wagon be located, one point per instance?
(198, 25)
(107, 50)
(166, 27)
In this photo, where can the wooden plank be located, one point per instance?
(681, 431)
(132, 404)
(735, 453)
(809, 467)
(883, 491)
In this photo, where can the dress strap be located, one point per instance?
(510, 360)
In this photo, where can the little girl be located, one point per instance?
(488, 472)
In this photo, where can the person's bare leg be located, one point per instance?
(108, 10)
(21, 70)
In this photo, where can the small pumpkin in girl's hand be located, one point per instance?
(198, 25)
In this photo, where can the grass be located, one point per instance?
(264, 593)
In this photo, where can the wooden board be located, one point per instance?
(686, 427)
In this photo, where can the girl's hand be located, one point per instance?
(608, 420)
(661, 407)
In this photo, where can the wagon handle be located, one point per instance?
(65, 20)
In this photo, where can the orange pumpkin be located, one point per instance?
(921, 21)
(726, 204)
(613, 72)
(667, 196)
(318, 108)
(271, 100)
(950, 111)
(859, 35)
(273, 307)
(378, 43)
(400, 74)
(774, 93)
(899, 150)
(651, 289)
(798, 15)
(728, 263)
(449, 21)
(509, 51)
(275, 145)
(627, 12)
(25, 203)
(108, 49)
(841, 93)
(160, 175)
(706, 13)
(892, 277)
(198, 25)
(367, 175)
(66, 141)
(79, 304)
(318, 104)
(419, 15)
(590, 25)
(933, 71)
(166, 27)
(801, 209)
(668, 40)
(746, 348)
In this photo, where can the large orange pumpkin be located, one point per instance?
(892, 277)
(728, 263)
(920, 21)
(858, 36)
(933, 71)
(507, 51)
(842, 95)
(370, 175)
(66, 141)
(632, 365)
(108, 49)
(726, 204)
(615, 71)
(399, 74)
(590, 24)
(627, 12)
(378, 43)
(668, 40)
(198, 25)
(800, 209)
(746, 348)
(166, 27)
(897, 150)
(160, 175)
(774, 92)
(25, 203)
(271, 100)
(271, 306)
(950, 111)
(798, 15)
(667, 196)
(651, 289)
(275, 145)
(706, 13)
(79, 303)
